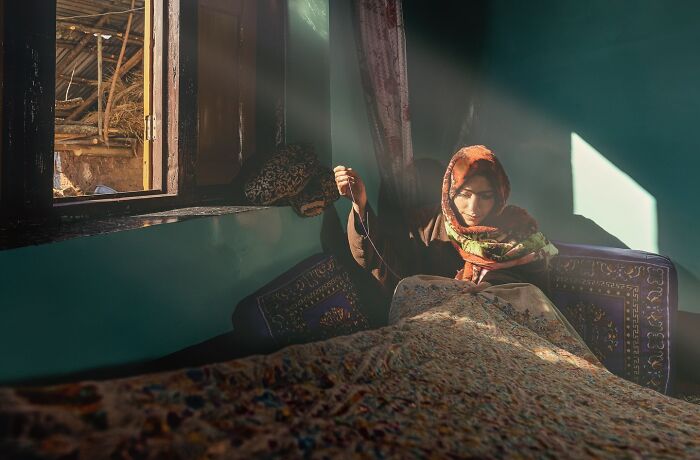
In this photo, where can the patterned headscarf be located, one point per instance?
(508, 236)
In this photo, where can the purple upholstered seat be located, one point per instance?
(623, 304)
(314, 300)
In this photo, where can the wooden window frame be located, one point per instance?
(26, 155)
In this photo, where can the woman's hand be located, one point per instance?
(345, 179)
(475, 289)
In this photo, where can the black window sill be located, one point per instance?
(16, 236)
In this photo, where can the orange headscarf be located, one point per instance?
(508, 236)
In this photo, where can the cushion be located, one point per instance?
(314, 300)
(622, 302)
(317, 195)
(283, 175)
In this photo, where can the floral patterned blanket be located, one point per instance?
(454, 375)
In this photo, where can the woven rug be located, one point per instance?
(455, 375)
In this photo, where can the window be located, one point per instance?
(179, 126)
(103, 131)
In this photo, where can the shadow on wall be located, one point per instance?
(638, 112)
(548, 69)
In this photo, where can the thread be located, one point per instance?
(352, 197)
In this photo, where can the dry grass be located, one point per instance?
(127, 106)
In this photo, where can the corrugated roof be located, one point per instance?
(76, 44)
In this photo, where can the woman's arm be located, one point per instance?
(534, 273)
(366, 235)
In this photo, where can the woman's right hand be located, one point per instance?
(345, 179)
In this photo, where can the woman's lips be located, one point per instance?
(472, 220)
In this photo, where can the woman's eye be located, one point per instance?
(487, 196)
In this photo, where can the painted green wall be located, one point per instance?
(140, 294)
(624, 76)
(520, 77)
(308, 92)
(351, 138)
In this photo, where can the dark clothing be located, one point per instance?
(422, 248)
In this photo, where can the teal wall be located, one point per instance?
(307, 72)
(520, 77)
(351, 138)
(140, 294)
(624, 76)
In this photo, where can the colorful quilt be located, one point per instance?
(454, 375)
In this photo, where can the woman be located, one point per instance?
(471, 235)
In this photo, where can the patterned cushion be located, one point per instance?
(283, 175)
(622, 302)
(318, 194)
(314, 300)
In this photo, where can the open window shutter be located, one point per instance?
(226, 92)
(148, 96)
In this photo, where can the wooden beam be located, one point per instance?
(98, 150)
(29, 45)
(147, 172)
(99, 84)
(86, 130)
(77, 80)
(182, 83)
(108, 57)
(2, 106)
(158, 166)
(75, 52)
(78, 131)
(135, 59)
(96, 141)
(86, 29)
(70, 44)
(69, 104)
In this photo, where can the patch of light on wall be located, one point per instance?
(612, 199)
(315, 14)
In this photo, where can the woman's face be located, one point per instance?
(475, 200)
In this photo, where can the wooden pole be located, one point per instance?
(99, 84)
(116, 74)
(147, 171)
(133, 60)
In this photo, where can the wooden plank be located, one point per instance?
(99, 85)
(158, 165)
(86, 130)
(69, 104)
(171, 116)
(182, 96)
(29, 44)
(218, 96)
(98, 150)
(147, 172)
(2, 86)
(248, 76)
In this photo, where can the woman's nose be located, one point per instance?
(473, 204)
